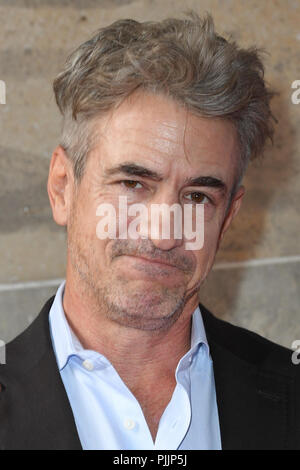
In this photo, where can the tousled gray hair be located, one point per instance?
(185, 60)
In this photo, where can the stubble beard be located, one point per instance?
(130, 304)
(118, 301)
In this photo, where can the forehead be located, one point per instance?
(155, 129)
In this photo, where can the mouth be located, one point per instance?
(157, 261)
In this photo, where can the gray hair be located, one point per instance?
(182, 58)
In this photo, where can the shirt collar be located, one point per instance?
(66, 343)
(198, 335)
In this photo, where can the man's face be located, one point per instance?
(150, 150)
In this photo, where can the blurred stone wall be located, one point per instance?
(255, 281)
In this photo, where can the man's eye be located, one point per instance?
(198, 198)
(131, 184)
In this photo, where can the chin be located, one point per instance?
(151, 318)
(143, 308)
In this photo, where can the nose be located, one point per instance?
(165, 222)
(166, 244)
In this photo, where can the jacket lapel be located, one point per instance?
(38, 412)
(253, 403)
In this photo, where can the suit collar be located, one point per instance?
(37, 399)
(253, 400)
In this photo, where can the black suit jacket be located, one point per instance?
(257, 387)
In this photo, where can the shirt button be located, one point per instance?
(129, 424)
(88, 365)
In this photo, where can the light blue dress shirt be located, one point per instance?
(106, 413)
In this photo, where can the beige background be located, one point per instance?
(255, 282)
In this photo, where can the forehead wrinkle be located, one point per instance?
(158, 133)
(156, 148)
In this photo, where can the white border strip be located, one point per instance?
(219, 266)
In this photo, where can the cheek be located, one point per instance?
(213, 220)
(82, 229)
(83, 240)
(206, 255)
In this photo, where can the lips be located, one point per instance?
(156, 261)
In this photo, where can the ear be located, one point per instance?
(60, 185)
(232, 212)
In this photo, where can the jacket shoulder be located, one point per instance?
(247, 345)
(27, 348)
(33, 400)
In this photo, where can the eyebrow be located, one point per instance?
(132, 169)
(208, 181)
